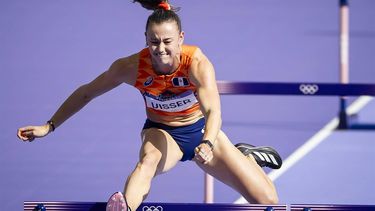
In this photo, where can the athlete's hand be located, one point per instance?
(203, 153)
(29, 133)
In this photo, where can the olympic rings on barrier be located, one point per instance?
(309, 89)
(152, 208)
(303, 88)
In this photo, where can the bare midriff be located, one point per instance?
(173, 120)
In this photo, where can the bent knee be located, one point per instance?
(149, 163)
(151, 159)
(269, 197)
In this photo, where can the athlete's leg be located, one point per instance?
(153, 160)
(231, 167)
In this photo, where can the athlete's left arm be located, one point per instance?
(202, 74)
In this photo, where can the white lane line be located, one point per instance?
(314, 141)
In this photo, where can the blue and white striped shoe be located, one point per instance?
(264, 156)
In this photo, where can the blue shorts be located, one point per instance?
(187, 137)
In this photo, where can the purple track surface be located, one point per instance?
(49, 48)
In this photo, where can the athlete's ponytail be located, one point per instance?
(163, 12)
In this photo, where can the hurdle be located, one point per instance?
(330, 207)
(343, 90)
(101, 206)
(296, 89)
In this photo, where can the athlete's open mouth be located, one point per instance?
(162, 54)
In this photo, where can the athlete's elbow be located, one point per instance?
(215, 114)
(84, 94)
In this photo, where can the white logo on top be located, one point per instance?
(149, 81)
(152, 208)
(308, 89)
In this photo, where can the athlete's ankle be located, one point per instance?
(127, 205)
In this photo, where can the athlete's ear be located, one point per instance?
(181, 38)
(146, 38)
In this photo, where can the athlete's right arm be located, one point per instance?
(121, 71)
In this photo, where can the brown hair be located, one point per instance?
(160, 14)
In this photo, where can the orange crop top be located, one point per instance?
(167, 95)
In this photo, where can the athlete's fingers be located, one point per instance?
(31, 139)
(204, 148)
(29, 135)
(206, 153)
(205, 158)
(208, 159)
(199, 152)
(21, 135)
(21, 132)
(28, 128)
(28, 138)
(199, 158)
(203, 153)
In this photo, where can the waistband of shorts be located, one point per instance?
(168, 127)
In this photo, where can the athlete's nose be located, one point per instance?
(161, 48)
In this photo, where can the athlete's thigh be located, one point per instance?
(231, 167)
(160, 142)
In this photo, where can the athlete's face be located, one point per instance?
(164, 42)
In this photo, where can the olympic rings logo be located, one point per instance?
(308, 89)
(152, 208)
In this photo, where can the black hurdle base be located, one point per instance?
(350, 122)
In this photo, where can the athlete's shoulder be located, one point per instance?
(198, 55)
(126, 68)
(200, 67)
(128, 62)
(193, 52)
(189, 50)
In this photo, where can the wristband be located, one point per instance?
(208, 142)
(51, 124)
